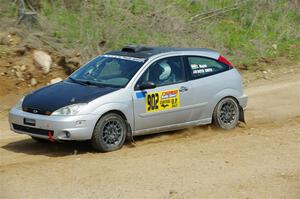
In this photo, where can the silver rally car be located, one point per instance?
(137, 90)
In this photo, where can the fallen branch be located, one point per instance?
(215, 14)
(207, 13)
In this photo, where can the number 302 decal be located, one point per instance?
(163, 100)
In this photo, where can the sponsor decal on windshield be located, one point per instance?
(126, 58)
(163, 100)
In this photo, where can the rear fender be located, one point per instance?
(234, 94)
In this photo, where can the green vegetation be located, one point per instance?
(267, 29)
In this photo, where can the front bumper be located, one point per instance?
(79, 127)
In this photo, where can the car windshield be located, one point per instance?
(108, 70)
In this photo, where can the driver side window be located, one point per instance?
(164, 72)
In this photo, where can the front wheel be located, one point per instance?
(226, 113)
(109, 133)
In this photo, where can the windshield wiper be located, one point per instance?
(93, 83)
(90, 83)
(78, 81)
(87, 82)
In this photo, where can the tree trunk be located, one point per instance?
(28, 18)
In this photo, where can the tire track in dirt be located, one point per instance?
(256, 160)
(256, 114)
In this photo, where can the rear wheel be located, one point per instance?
(226, 113)
(109, 133)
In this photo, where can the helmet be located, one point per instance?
(165, 71)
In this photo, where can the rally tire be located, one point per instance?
(226, 113)
(109, 133)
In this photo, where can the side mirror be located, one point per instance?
(147, 85)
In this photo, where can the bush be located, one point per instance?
(257, 28)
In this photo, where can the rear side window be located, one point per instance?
(202, 67)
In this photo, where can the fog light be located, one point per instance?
(68, 134)
(79, 122)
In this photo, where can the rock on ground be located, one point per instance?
(33, 82)
(43, 60)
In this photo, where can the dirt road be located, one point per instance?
(258, 160)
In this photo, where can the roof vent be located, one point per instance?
(135, 48)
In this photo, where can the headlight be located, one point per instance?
(69, 110)
(19, 103)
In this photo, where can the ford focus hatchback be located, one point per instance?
(137, 90)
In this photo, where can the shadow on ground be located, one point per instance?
(51, 149)
(59, 149)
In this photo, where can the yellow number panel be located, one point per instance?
(163, 100)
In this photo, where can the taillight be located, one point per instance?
(224, 61)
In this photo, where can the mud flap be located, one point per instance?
(129, 136)
(242, 115)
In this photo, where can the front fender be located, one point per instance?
(126, 109)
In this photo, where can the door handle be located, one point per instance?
(183, 89)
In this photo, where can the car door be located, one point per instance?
(166, 105)
(206, 80)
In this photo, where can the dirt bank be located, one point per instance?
(257, 160)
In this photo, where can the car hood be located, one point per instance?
(50, 98)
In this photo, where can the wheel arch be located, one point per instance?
(128, 118)
(232, 93)
(241, 110)
(129, 127)
(116, 112)
(97, 141)
(123, 109)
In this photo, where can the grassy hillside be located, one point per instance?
(248, 32)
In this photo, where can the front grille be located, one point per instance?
(32, 130)
(36, 111)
